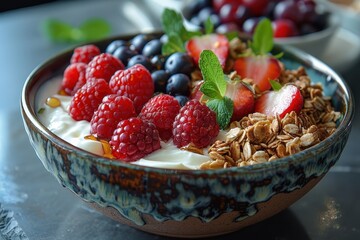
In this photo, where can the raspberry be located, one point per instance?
(103, 66)
(84, 54)
(195, 124)
(110, 112)
(88, 98)
(133, 139)
(135, 83)
(161, 110)
(74, 78)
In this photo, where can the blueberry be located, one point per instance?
(158, 61)
(152, 48)
(160, 79)
(139, 41)
(178, 84)
(182, 99)
(115, 45)
(124, 54)
(140, 59)
(179, 63)
(195, 6)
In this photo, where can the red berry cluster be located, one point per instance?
(121, 107)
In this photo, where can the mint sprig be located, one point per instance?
(263, 41)
(91, 29)
(275, 85)
(174, 28)
(214, 87)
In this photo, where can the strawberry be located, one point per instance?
(110, 112)
(161, 110)
(135, 83)
(133, 139)
(261, 69)
(280, 102)
(217, 43)
(242, 97)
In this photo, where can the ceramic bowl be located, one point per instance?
(348, 14)
(315, 43)
(187, 203)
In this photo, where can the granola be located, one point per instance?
(258, 138)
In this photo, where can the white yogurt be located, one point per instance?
(58, 121)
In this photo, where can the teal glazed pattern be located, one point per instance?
(163, 194)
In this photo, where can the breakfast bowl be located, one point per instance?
(186, 203)
(307, 25)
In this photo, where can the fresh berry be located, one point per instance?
(196, 93)
(158, 62)
(280, 102)
(74, 78)
(152, 48)
(261, 69)
(88, 98)
(288, 10)
(160, 79)
(133, 139)
(182, 99)
(256, 7)
(139, 41)
(195, 124)
(242, 97)
(134, 83)
(84, 53)
(216, 42)
(179, 63)
(284, 28)
(226, 28)
(250, 24)
(218, 4)
(235, 13)
(178, 84)
(161, 110)
(103, 66)
(110, 112)
(140, 59)
(111, 48)
(124, 53)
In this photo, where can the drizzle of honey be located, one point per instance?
(53, 102)
(105, 146)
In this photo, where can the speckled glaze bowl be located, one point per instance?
(187, 203)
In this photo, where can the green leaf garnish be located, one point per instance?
(214, 85)
(223, 108)
(276, 86)
(263, 38)
(209, 26)
(41, 110)
(174, 44)
(91, 29)
(174, 28)
(214, 88)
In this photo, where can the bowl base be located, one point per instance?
(194, 228)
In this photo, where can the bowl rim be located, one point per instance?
(28, 112)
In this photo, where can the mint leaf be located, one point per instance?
(276, 86)
(263, 37)
(223, 108)
(209, 26)
(174, 44)
(94, 29)
(214, 85)
(57, 31)
(91, 29)
(172, 21)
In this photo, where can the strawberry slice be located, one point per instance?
(280, 102)
(217, 43)
(242, 97)
(261, 69)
